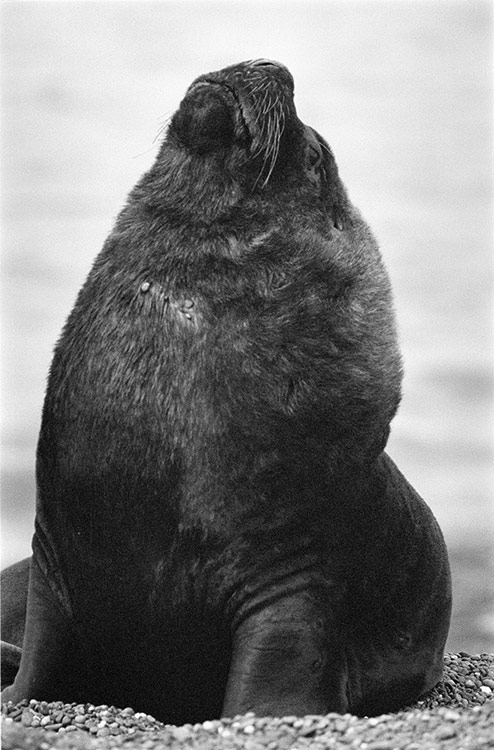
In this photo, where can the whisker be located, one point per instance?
(274, 148)
(325, 147)
(254, 86)
(163, 127)
(269, 119)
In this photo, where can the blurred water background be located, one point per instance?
(402, 90)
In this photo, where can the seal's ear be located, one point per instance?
(314, 160)
(337, 218)
(322, 171)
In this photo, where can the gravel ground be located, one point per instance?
(458, 713)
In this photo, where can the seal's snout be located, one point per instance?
(248, 106)
(276, 66)
(204, 121)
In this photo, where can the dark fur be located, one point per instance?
(214, 512)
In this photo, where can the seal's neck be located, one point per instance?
(191, 188)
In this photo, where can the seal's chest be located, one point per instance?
(177, 308)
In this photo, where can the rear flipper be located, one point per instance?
(14, 586)
(400, 614)
(371, 639)
(11, 659)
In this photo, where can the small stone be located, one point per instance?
(340, 725)
(488, 682)
(180, 733)
(249, 729)
(102, 732)
(308, 731)
(285, 742)
(451, 716)
(46, 720)
(445, 733)
(486, 689)
(209, 726)
(27, 718)
(254, 745)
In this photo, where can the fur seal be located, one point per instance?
(218, 529)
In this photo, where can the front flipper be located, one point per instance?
(281, 662)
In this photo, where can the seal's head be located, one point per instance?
(249, 105)
(237, 134)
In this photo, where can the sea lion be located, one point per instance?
(217, 528)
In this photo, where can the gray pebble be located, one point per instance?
(181, 733)
(444, 733)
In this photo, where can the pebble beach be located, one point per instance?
(457, 714)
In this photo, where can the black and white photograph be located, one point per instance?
(247, 374)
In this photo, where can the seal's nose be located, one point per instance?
(264, 62)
